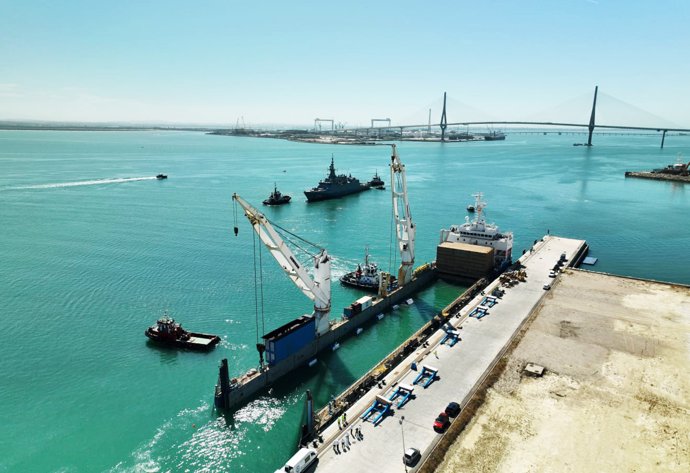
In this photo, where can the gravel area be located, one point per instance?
(615, 395)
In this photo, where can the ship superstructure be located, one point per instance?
(478, 232)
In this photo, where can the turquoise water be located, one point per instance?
(91, 257)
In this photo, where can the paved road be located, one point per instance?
(459, 369)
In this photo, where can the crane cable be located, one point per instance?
(257, 292)
(256, 296)
(296, 245)
(261, 286)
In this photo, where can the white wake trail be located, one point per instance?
(94, 182)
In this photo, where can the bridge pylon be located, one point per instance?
(591, 118)
(444, 119)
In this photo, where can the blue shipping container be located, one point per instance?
(289, 339)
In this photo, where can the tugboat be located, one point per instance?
(276, 198)
(376, 182)
(161, 176)
(335, 186)
(168, 332)
(367, 277)
(478, 232)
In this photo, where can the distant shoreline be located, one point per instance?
(57, 127)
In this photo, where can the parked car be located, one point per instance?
(442, 422)
(552, 274)
(547, 287)
(453, 409)
(411, 457)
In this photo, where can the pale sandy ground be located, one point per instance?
(616, 394)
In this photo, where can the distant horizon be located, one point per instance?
(278, 63)
(56, 125)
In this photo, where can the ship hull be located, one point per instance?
(196, 341)
(319, 195)
(351, 280)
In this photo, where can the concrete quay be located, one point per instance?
(460, 369)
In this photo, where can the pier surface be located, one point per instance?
(615, 395)
(460, 369)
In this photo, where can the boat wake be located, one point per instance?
(93, 182)
(203, 441)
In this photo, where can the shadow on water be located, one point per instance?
(426, 310)
(585, 171)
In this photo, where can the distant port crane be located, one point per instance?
(318, 121)
(387, 120)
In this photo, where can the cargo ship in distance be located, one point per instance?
(335, 186)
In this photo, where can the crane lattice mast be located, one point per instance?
(404, 226)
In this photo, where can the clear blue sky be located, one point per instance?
(292, 61)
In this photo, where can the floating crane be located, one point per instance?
(317, 289)
(404, 226)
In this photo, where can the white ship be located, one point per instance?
(478, 232)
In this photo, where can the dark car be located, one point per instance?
(442, 422)
(453, 409)
(411, 457)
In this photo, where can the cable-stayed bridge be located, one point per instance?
(589, 126)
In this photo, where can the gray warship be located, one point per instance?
(335, 186)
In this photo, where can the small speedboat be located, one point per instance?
(276, 198)
(470, 208)
(161, 176)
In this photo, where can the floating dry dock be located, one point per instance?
(281, 356)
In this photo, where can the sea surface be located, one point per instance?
(93, 249)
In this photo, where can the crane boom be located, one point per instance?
(317, 289)
(404, 226)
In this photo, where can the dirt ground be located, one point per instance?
(615, 396)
